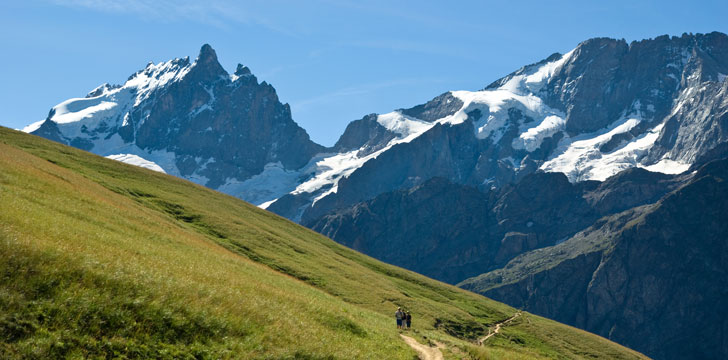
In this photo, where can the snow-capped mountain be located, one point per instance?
(601, 108)
(192, 120)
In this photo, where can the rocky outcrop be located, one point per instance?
(435, 109)
(698, 124)
(365, 135)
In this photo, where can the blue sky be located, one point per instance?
(333, 61)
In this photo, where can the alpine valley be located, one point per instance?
(589, 187)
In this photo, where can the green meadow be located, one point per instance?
(100, 259)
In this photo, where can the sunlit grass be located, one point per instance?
(104, 259)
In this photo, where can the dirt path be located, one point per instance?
(497, 328)
(425, 352)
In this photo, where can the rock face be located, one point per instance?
(458, 220)
(654, 278)
(365, 135)
(192, 119)
(451, 232)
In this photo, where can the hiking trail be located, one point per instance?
(497, 328)
(425, 352)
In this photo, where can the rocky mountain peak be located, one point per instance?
(101, 89)
(365, 134)
(207, 65)
(605, 79)
(242, 70)
(207, 54)
(192, 120)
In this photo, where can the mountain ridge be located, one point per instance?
(538, 117)
(622, 136)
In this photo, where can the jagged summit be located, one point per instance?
(193, 120)
(242, 70)
(101, 89)
(207, 54)
(207, 65)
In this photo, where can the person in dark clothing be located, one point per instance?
(400, 316)
(408, 319)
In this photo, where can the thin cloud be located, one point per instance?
(337, 95)
(407, 14)
(408, 46)
(273, 71)
(158, 9)
(218, 13)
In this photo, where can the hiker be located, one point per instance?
(408, 318)
(399, 315)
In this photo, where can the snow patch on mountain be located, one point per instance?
(74, 110)
(531, 81)
(325, 170)
(264, 188)
(112, 104)
(206, 106)
(494, 106)
(115, 145)
(667, 166)
(580, 158)
(519, 92)
(157, 75)
(401, 124)
(531, 139)
(137, 161)
(32, 127)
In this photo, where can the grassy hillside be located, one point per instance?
(103, 259)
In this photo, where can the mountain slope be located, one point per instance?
(448, 221)
(452, 232)
(652, 278)
(101, 258)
